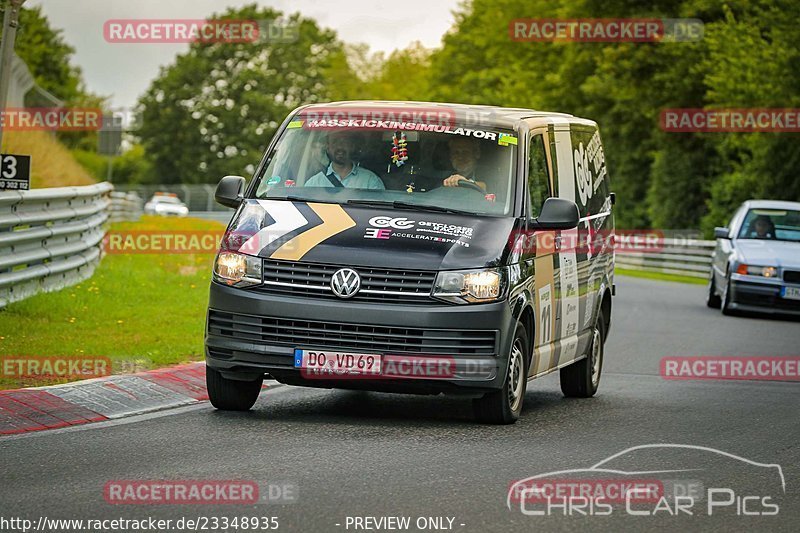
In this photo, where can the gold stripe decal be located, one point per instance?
(334, 221)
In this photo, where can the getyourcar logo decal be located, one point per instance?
(389, 222)
(588, 181)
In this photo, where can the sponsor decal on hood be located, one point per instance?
(332, 233)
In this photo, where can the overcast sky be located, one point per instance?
(124, 71)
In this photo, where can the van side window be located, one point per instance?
(538, 176)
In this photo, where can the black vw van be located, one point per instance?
(416, 247)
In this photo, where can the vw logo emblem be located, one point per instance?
(345, 283)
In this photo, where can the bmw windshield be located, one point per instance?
(772, 224)
(400, 164)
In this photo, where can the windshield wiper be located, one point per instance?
(293, 198)
(398, 204)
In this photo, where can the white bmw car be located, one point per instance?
(165, 204)
(756, 263)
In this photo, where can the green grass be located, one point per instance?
(139, 310)
(660, 276)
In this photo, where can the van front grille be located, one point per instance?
(353, 337)
(377, 284)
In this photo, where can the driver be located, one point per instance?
(464, 155)
(343, 171)
(764, 228)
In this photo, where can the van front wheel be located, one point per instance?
(581, 379)
(505, 405)
(230, 394)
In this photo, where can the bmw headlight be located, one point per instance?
(753, 270)
(471, 286)
(238, 270)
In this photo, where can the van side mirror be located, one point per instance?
(721, 233)
(557, 214)
(229, 191)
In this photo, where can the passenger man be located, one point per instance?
(343, 171)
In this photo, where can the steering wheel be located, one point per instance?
(469, 185)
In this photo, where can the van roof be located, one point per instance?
(496, 115)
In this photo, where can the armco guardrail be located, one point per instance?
(688, 257)
(50, 238)
(126, 207)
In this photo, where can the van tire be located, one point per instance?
(577, 379)
(230, 394)
(505, 405)
(712, 299)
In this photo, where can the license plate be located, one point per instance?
(791, 293)
(338, 362)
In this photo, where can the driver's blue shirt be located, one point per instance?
(358, 178)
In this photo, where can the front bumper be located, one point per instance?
(250, 334)
(748, 294)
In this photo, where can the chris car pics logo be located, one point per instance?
(663, 480)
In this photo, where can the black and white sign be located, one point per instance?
(15, 172)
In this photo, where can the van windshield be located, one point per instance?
(401, 164)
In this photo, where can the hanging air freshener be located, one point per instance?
(399, 149)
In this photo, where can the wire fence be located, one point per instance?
(197, 197)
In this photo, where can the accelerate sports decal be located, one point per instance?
(288, 219)
(569, 306)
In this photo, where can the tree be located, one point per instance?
(748, 57)
(754, 53)
(49, 59)
(214, 110)
(47, 55)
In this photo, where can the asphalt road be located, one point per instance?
(351, 454)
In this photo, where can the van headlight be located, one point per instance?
(237, 269)
(471, 286)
